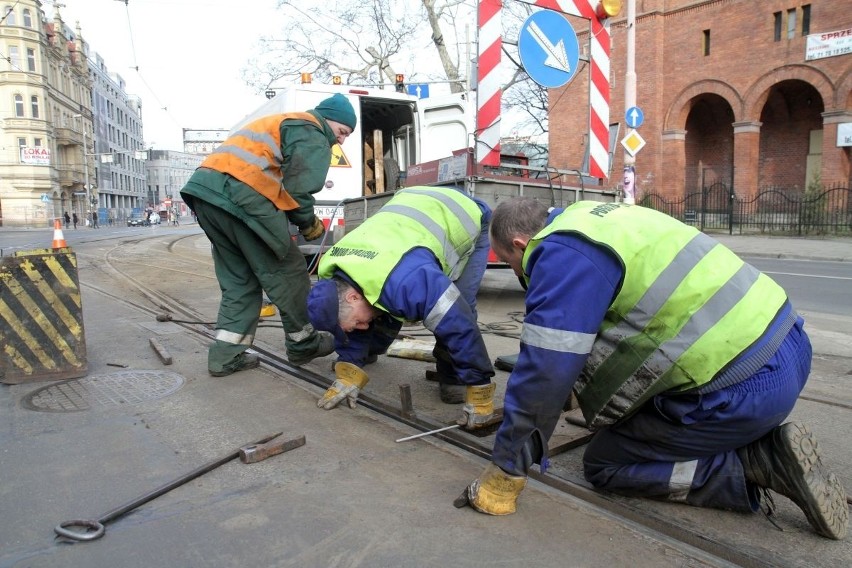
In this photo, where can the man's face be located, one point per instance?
(357, 314)
(513, 256)
(341, 131)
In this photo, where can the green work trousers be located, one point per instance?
(246, 267)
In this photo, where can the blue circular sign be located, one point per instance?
(549, 49)
(634, 117)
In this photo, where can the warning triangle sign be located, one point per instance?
(338, 158)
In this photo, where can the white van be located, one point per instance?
(394, 131)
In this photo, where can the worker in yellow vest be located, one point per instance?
(684, 359)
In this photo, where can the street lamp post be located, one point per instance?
(89, 221)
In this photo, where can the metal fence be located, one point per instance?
(773, 211)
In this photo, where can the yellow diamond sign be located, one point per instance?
(633, 143)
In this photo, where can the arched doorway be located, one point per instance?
(791, 136)
(709, 145)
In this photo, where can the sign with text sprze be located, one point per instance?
(844, 135)
(829, 44)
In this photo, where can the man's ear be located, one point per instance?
(520, 242)
(352, 296)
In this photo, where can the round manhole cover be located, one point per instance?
(124, 387)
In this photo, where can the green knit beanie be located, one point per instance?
(339, 109)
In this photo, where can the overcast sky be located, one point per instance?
(188, 52)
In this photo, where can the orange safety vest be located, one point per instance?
(253, 156)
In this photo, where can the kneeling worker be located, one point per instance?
(420, 257)
(685, 361)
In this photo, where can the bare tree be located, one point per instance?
(367, 42)
(357, 40)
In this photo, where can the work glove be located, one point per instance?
(479, 406)
(350, 380)
(313, 231)
(494, 492)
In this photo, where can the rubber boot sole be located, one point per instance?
(821, 496)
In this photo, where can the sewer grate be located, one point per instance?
(114, 389)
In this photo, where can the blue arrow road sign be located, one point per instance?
(420, 90)
(634, 117)
(549, 50)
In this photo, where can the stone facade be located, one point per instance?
(71, 138)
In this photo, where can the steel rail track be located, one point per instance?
(700, 546)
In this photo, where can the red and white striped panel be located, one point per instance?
(598, 84)
(488, 91)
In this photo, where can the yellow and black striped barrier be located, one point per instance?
(41, 317)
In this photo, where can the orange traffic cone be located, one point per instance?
(58, 237)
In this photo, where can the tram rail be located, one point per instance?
(704, 548)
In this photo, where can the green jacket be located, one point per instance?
(307, 156)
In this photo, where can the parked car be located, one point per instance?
(138, 221)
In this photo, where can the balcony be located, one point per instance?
(69, 176)
(68, 137)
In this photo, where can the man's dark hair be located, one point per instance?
(519, 216)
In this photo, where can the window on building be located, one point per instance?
(806, 19)
(22, 142)
(37, 142)
(14, 58)
(31, 66)
(791, 23)
(34, 103)
(777, 16)
(28, 18)
(706, 42)
(19, 106)
(10, 16)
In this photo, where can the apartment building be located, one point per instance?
(70, 136)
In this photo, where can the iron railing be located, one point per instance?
(772, 211)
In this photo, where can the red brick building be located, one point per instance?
(728, 95)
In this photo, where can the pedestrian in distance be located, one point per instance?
(67, 218)
(420, 257)
(75, 219)
(243, 195)
(684, 359)
(95, 220)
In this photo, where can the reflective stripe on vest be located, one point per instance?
(445, 221)
(687, 307)
(253, 156)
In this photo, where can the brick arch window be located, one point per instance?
(19, 106)
(9, 16)
(28, 18)
(34, 103)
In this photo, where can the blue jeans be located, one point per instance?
(683, 446)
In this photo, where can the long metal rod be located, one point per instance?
(429, 433)
(95, 529)
(117, 512)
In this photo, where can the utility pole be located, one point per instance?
(630, 97)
